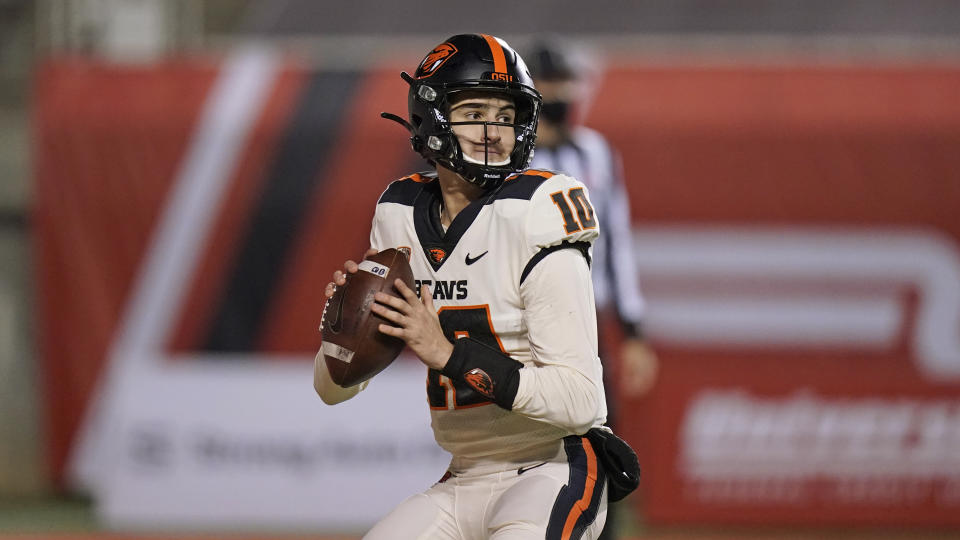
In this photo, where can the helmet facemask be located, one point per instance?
(514, 139)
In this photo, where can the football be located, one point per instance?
(353, 349)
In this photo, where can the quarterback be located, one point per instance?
(504, 315)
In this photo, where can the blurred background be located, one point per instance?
(178, 179)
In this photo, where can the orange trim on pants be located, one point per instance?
(584, 503)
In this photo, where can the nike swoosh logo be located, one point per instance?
(470, 260)
(522, 470)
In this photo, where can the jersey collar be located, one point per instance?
(437, 245)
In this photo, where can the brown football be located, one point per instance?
(352, 347)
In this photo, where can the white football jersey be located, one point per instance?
(475, 270)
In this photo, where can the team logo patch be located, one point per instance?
(438, 255)
(480, 381)
(435, 59)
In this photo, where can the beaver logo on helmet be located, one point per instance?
(434, 59)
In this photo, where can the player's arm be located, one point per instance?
(638, 360)
(564, 387)
(330, 392)
(618, 238)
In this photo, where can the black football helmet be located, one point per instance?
(470, 62)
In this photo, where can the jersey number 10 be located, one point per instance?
(585, 218)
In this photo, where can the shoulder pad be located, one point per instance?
(540, 173)
(406, 189)
(522, 185)
(560, 211)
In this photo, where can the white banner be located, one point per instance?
(221, 441)
(239, 444)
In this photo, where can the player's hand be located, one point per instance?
(639, 367)
(340, 277)
(416, 322)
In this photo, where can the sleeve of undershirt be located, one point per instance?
(565, 386)
(330, 392)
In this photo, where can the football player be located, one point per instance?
(504, 317)
(563, 76)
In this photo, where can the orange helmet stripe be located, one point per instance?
(499, 60)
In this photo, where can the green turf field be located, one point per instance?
(74, 519)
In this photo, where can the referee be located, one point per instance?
(564, 145)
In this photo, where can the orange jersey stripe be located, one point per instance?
(499, 60)
(584, 503)
(530, 172)
(419, 178)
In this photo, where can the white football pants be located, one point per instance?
(562, 499)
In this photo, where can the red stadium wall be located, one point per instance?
(851, 149)
(108, 142)
(761, 148)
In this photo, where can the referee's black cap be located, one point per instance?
(549, 60)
